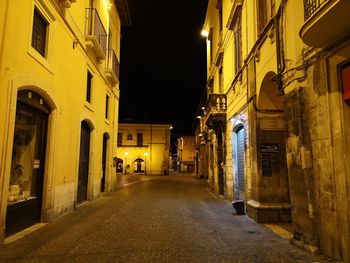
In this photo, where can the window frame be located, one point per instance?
(89, 86)
(40, 18)
(47, 14)
(237, 39)
(139, 141)
(107, 106)
(120, 139)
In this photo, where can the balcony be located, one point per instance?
(95, 34)
(215, 110)
(112, 71)
(326, 22)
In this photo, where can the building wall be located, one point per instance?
(60, 79)
(304, 115)
(155, 150)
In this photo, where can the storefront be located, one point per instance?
(25, 194)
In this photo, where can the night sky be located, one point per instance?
(163, 62)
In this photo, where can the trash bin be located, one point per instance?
(238, 205)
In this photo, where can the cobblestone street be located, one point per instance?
(160, 219)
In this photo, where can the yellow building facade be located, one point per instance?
(186, 154)
(276, 111)
(143, 148)
(59, 99)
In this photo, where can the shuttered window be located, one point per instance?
(39, 33)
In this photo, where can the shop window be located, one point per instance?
(39, 33)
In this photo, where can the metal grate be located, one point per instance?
(312, 6)
(39, 33)
(94, 27)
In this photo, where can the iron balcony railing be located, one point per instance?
(312, 6)
(94, 27)
(113, 63)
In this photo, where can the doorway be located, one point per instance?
(104, 160)
(84, 157)
(139, 166)
(25, 194)
(238, 157)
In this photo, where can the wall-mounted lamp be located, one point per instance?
(205, 33)
(199, 117)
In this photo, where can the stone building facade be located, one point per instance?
(283, 69)
(59, 100)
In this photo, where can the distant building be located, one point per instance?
(59, 99)
(186, 154)
(143, 148)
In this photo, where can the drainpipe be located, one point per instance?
(280, 48)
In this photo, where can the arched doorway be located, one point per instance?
(104, 161)
(84, 160)
(271, 181)
(139, 166)
(119, 164)
(28, 162)
(238, 158)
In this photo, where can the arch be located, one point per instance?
(90, 123)
(119, 164)
(28, 161)
(42, 93)
(267, 97)
(139, 165)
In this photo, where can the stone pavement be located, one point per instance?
(162, 219)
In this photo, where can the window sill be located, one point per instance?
(88, 106)
(40, 59)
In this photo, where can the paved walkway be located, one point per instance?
(162, 219)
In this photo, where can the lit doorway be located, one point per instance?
(24, 205)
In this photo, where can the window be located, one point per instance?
(219, 7)
(345, 81)
(129, 137)
(221, 80)
(120, 139)
(264, 13)
(237, 33)
(88, 87)
(107, 106)
(139, 139)
(39, 33)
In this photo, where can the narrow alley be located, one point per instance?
(154, 219)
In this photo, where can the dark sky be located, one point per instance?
(163, 62)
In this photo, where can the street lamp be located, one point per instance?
(145, 154)
(126, 160)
